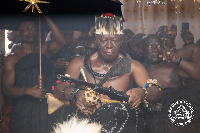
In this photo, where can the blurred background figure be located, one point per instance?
(90, 45)
(13, 37)
(135, 49)
(127, 34)
(168, 35)
(79, 51)
(187, 37)
(198, 41)
(62, 59)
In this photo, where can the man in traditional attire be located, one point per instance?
(115, 117)
(29, 112)
(171, 76)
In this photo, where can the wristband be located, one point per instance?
(64, 93)
(178, 61)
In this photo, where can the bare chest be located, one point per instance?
(119, 83)
(165, 76)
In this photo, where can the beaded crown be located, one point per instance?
(108, 24)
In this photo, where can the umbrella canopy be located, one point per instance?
(67, 14)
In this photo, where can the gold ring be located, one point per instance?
(168, 52)
(83, 108)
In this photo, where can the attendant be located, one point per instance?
(13, 37)
(168, 35)
(20, 80)
(170, 75)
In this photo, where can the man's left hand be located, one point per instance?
(135, 97)
(169, 56)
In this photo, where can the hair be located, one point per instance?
(128, 31)
(161, 28)
(138, 37)
(108, 25)
(146, 38)
(76, 125)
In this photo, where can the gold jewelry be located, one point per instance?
(92, 97)
(164, 45)
(168, 52)
(83, 108)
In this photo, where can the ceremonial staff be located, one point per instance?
(40, 81)
(33, 3)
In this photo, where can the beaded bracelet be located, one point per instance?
(145, 96)
(178, 61)
(64, 93)
(73, 94)
(150, 82)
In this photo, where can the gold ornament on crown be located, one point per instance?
(33, 3)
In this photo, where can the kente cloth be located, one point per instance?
(29, 114)
(8, 103)
(115, 117)
(161, 122)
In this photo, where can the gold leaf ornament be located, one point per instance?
(33, 3)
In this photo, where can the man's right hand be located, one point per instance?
(36, 92)
(81, 103)
(61, 63)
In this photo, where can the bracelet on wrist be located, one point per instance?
(57, 82)
(178, 61)
(150, 82)
(145, 97)
(64, 93)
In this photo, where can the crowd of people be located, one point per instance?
(23, 106)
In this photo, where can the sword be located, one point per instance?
(110, 92)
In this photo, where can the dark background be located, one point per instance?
(67, 14)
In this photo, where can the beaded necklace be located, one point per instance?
(89, 69)
(164, 45)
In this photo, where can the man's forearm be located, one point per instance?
(191, 68)
(56, 32)
(14, 91)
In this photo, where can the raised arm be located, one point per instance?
(9, 80)
(190, 59)
(54, 46)
(76, 40)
